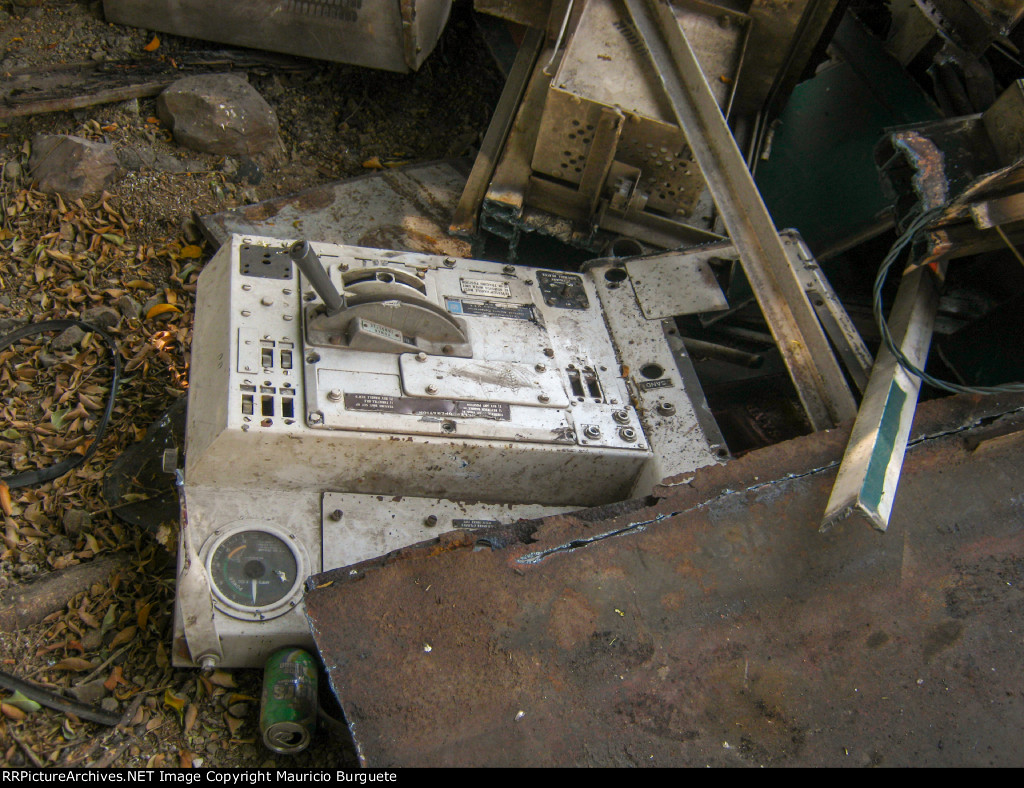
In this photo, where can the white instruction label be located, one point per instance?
(485, 287)
(380, 331)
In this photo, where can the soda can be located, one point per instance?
(288, 707)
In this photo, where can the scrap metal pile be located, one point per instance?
(515, 462)
(631, 303)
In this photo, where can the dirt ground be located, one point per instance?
(135, 250)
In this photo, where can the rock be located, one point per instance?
(72, 166)
(101, 317)
(75, 520)
(69, 338)
(91, 692)
(110, 704)
(218, 113)
(128, 307)
(12, 171)
(8, 324)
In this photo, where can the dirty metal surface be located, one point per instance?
(406, 209)
(710, 626)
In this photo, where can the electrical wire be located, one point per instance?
(916, 226)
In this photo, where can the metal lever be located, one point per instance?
(308, 262)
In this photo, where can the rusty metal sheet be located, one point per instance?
(711, 625)
(408, 209)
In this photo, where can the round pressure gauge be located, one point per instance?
(255, 571)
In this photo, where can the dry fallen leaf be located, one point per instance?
(12, 712)
(223, 679)
(233, 723)
(152, 45)
(161, 309)
(124, 636)
(190, 716)
(5, 498)
(76, 664)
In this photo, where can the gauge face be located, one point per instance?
(253, 569)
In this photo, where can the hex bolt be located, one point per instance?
(627, 434)
(541, 368)
(543, 398)
(449, 262)
(336, 515)
(335, 395)
(549, 352)
(431, 521)
(621, 417)
(431, 388)
(316, 417)
(592, 431)
(666, 409)
(508, 269)
(421, 356)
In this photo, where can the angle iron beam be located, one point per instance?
(812, 366)
(870, 470)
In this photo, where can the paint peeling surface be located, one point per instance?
(711, 626)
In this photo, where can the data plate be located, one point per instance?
(496, 381)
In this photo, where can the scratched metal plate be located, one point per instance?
(714, 627)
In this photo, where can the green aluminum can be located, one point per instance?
(288, 707)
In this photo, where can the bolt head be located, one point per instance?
(621, 416)
(421, 357)
(666, 409)
(549, 352)
(543, 398)
(335, 395)
(541, 368)
(431, 389)
(431, 521)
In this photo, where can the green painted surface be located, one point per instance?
(820, 176)
(888, 431)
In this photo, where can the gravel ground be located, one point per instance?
(135, 253)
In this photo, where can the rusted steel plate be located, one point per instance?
(712, 625)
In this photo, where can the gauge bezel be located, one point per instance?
(249, 612)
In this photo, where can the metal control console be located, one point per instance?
(345, 402)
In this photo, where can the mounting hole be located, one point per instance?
(448, 426)
(624, 247)
(652, 371)
(615, 275)
(385, 277)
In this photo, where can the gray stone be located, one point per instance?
(101, 317)
(72, 166)
(75, 520)
(8, 324)
(68, 338)
(12, 171)
(89, 693)
(110, 704)
(128, 307)
(218, 113)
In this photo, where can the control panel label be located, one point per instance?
(423, 406)
(485, 287)
(562, 290)
(465, 523)
(459, 306)
(380, 331)
(664, 383)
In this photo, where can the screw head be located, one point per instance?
(449, 262)
(549, 352)
(541, 368)
(316, 417)
(267, 301)
(421, 357)
(543, 398)
(508, 269)
(431, 388)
